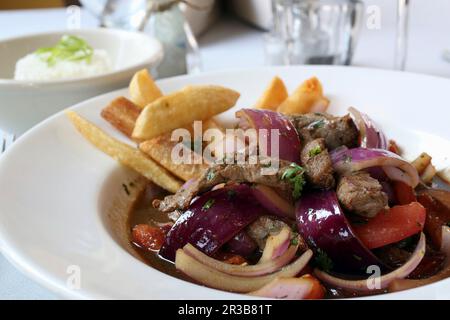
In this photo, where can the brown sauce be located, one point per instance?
(144, 213)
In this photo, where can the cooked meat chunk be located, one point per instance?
(264, 227)
(222, 173)
(318, 165)
(183, 197)
(361, 194)
(336, 131)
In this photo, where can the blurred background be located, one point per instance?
(236, 33)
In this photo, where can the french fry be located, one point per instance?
(160, 150)
(212, 124)
(125, 154)
(121, 113)
(422, 162)
(308, 97)
(181, 108)
(273, 96)
(143, 90)
(445, 175)
(428, 174)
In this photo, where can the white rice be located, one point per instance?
(32, 67)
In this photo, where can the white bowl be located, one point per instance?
(25, 103)
(55, 212)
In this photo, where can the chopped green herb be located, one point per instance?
(210, 175)
(294, 239)
(318, 124)
(208, 204)
(125, 187)
(315, 151)
(70, 48)
(322, 261)
(295, 175)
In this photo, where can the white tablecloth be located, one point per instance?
(231, 44)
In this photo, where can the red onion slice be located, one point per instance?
(241, 244)
(385, 280)
(241, 270)
(212, 220)
(323, 225)
(276, 245)
(273, 202)
(215, 279)
(350, 160)
(371, 136)
(288, 140)
(404, 284)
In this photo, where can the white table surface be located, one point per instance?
(232, 44)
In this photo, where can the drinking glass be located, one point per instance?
(313, 31)
(401, 47)
(164, 20)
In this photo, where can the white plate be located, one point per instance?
(54, 186)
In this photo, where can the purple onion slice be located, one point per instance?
(212, 220)
(322, 223)
(288, 140)
(371, 136)
(396, 168)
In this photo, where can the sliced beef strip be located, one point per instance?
(266, 226)
(222, 173)
(361, 194)
(183, 197)
(318, 165)
(336, 131)
(262, 228)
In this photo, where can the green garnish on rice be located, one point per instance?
(70, 48)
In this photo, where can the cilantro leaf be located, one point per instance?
(315, 151)
(322, 261)
(295, 175)
(208, 204)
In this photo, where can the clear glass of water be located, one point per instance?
(401, 47)
(313, 31)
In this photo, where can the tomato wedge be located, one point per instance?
(403, 193)
(148, 237)
(392, 225)
(317, 290)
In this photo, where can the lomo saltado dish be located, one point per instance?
(316, 206)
